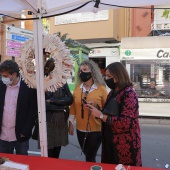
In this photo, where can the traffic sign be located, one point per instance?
(19, 38)
(13, 52)
(18, 31)
(15, 37)
(14, 44)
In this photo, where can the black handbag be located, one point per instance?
(112, 108)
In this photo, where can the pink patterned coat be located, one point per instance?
(121, 137)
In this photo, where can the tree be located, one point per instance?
(46, 25)
(166, 13)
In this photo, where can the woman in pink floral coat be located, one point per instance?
(121, 142)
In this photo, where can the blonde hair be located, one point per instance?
(95, 72)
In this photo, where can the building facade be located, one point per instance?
(106, 28)
(103, 33)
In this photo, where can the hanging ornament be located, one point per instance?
(57, 49)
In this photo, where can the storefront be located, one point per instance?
(147, 60)
(104, 56)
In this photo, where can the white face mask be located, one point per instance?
(6, 80)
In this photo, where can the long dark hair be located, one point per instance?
(120, 73)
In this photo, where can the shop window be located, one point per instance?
(151, 80)
(101, 63)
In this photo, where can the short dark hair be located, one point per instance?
(10, 66)
(120, 73)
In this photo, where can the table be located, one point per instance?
(43, 163)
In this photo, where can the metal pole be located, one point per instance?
(40, 84)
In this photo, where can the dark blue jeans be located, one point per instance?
(20, 147)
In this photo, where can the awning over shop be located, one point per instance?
(147, 48)
(159, 33)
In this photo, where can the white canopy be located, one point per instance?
(51, 7)
(46, 8)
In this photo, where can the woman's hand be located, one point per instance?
(70, 128)
(94, 111)
(48, 100)
(95, 105)
(91, 103)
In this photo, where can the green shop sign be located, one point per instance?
(127, 52)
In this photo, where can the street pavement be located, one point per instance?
(155, 144)
(154, 109)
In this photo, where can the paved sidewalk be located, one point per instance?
(154, 120)
(154, 109)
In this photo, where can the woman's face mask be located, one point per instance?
(110, 83)
(85, 76)
(110, 80)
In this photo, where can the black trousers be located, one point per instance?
(55, 152)
(90, 145)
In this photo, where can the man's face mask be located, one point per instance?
(85, 76)
(7, 80)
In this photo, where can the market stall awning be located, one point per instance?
(52, 7)
(145, 48)
(159, 33)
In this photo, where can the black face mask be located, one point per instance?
(110, 83)
(85, 76)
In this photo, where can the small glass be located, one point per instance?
(96, 167)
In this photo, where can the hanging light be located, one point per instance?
(96, 6)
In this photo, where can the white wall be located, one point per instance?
(111, 54)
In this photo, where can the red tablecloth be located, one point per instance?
(43, 163)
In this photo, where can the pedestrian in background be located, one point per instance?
(121, 138)
(90, 88)
(18, 110)
(152, 90)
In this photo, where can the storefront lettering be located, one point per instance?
(150, 100)
(162, 54)
(95, 51)
(147, 100)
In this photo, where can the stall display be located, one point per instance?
(10, 165)
(58, 51)
(43, 163)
